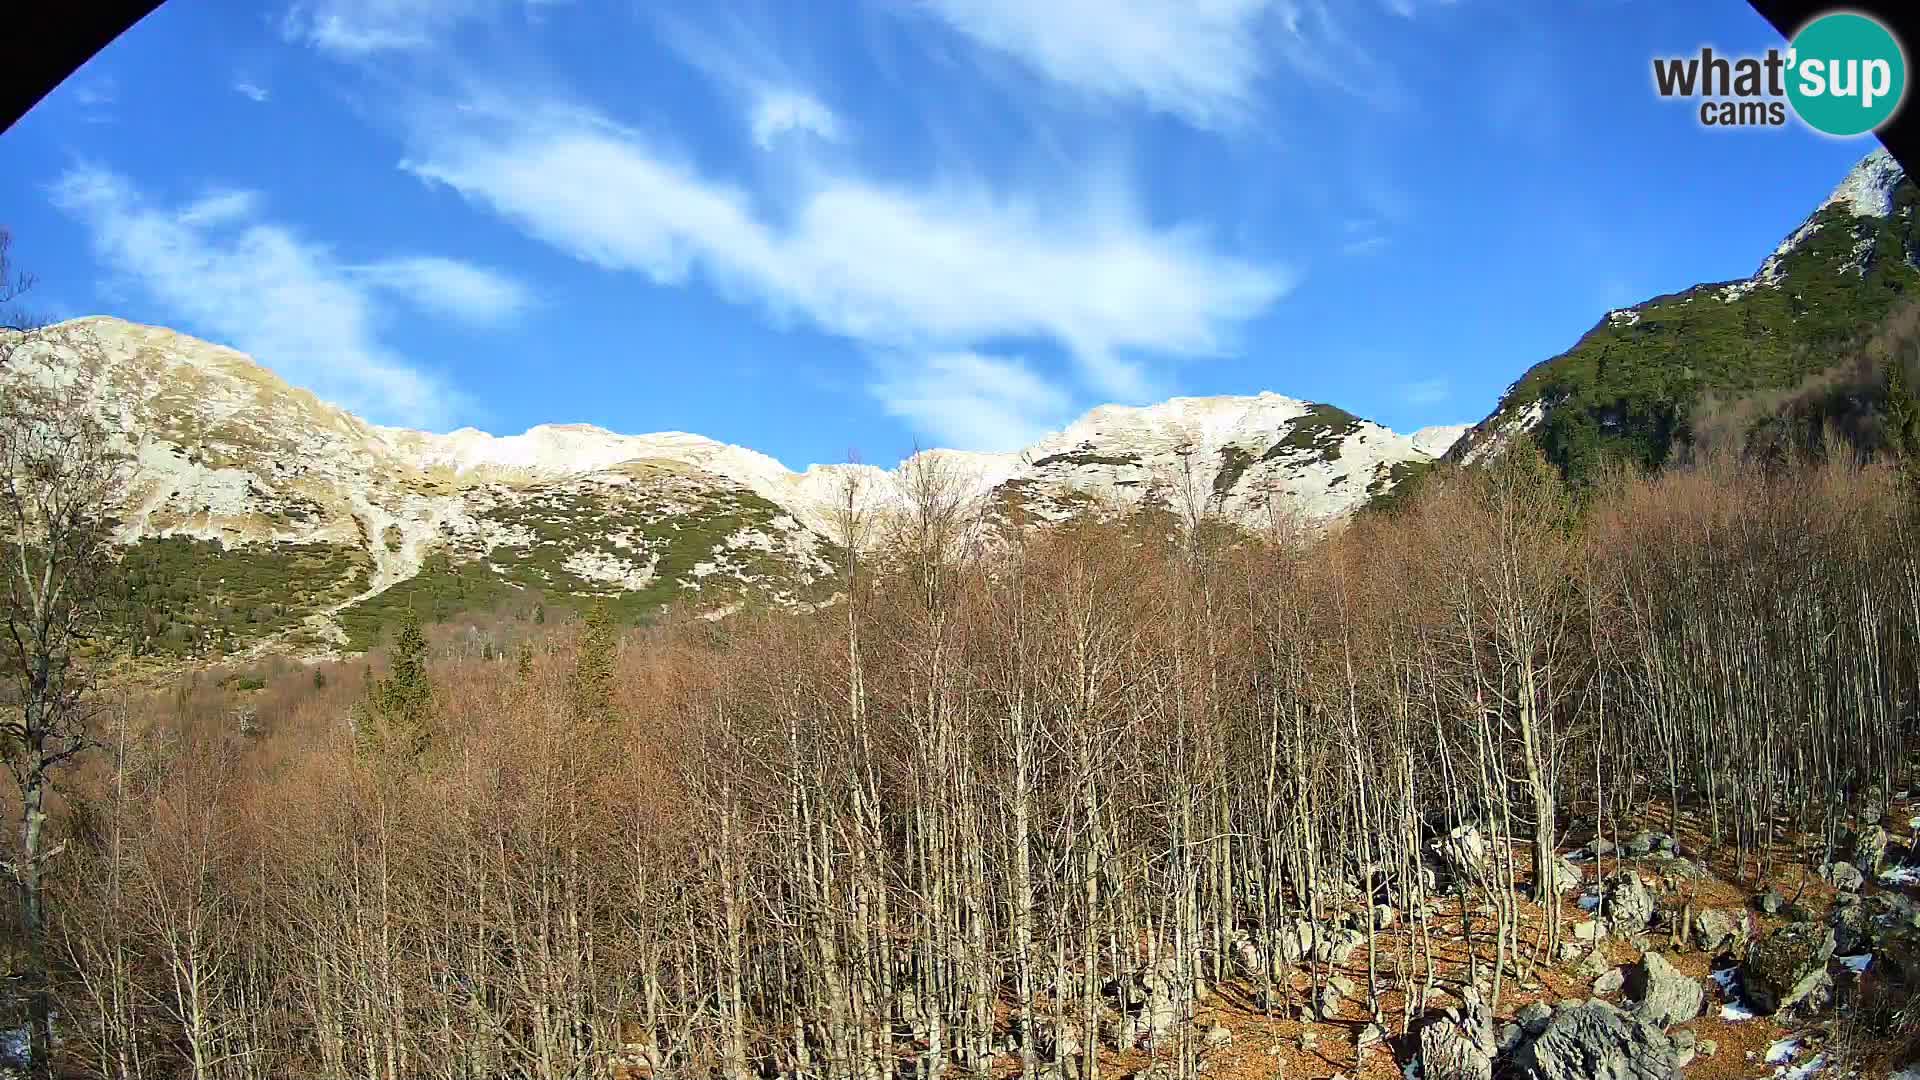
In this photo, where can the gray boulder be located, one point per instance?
(1715, 930)
(1662, 995)
(1770, 902)
(1845, 876)
(1870, 850)
(1533, 1018)
(1628, 903)
(1338, 947)
(1463, 852)
(1511, 1036)
(1592, 1040)
(1786, 966)
(1246, 958)
(1566, 876)
(1459, 1043)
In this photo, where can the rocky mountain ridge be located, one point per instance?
(241, 475)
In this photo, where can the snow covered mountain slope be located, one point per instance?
(1628, 387)
(263, 513)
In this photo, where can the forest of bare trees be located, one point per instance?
(1001, 803)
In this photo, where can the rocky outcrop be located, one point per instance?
(1462, 853)
(1593, 1040)
(1786, 966)
(1458, 1044)
(1715, 931)
(1661, 994)
(1628, 903)
(1870, 850)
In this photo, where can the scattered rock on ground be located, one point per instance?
(1459, 1044)
(1715, 930)
(1870, 850)
(1785, 966)
(1566, 876)
(1596, 964)
(1463, 851)
(1592, 1040)
(1845, 876)
(1628, 903)
(1510, 1036)
(1662, 995)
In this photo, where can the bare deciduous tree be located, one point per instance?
(63, 477)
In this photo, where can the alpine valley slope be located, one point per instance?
(264, 517)
(1630, 387)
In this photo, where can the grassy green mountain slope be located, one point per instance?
(1632, 387)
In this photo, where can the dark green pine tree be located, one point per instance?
(396, 720)
(591, 694)
(1903, 414)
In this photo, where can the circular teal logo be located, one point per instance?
(1847, 75)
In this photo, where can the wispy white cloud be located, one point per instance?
(97, 93)
(1363, 237)
(227, 272)
(448, 287)
(780, 112)
(1408, 9)
(971, 400)
(251, 90)
(95, 96)
(942, 268)
(358, 28)
(1203, 61)
(1197, 59)
(747, 64)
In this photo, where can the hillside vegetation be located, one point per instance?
(1112, 801)
(1631, 389)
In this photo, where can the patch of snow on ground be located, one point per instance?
(1782, 1052)
(1588, 902)
(1735, 1009)
(1803, 1070)
(1902, 875)
(1856, 964)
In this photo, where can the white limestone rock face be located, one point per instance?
(229, 452)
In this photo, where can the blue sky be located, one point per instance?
(862, 226)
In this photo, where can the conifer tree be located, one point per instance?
(591, 694)
(1903, 414)
(397, 716)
